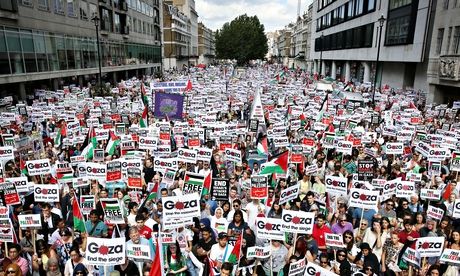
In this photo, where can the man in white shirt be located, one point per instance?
(220, 252)
(254, 208)
(236, 206)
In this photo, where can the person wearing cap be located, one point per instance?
(220, 252)
(366, 259)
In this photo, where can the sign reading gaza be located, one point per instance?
(105, 251)
(181, 206)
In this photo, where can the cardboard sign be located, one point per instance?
(451, 257)
(297, 268)
(6, 229)
(281, 142)
(269, 228)
(412, 257)
(430, 194)
(233, 155)
(96, 170)
(112, 211)
(21, 183)
(148, 143)
(181, 206)
(361, 198)
(297, 221)
(138, 251)
(164, 164)
(80, 182)
(46, 193)
(113, 171)
(334, 241)
(38, 167)
(405, 189)
(312, 269)
(259, 188)
(98, 155)
(258, 252)
(430, 246)
(176, 223)
(253, 125)
(365, 170)
(290, 193)
(9, 194)
(336, 185)
(456, 209)
(29, 221)
(220, 189)
(105, 252)
(434, 213)
(193, 183)
(6, 153)
(87, 203)
(203, 154)
(186, 155)
(344, 147)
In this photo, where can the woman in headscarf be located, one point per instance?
(218, 222)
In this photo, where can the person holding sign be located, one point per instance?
(175, 261)
(342, 266)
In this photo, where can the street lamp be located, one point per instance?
(381, 21)
(96, 19)
(321, 56)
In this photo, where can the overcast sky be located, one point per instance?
(274, 14)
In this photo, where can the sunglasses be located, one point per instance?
(79, 273)
(342, 255)
(236, 205)
(324, 262)
(11, 272)
(348, 237)
(392, 205)
(363, 224)
(368, 268)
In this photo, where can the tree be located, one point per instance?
(242, 39)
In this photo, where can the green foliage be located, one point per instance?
(242, 39)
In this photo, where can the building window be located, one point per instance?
(106, 23)
(27, 3)
(456, 42)
(350, 13)
(71, 8)
(398, 30)
(439, 41)
(370, 5)
(116, 23)
(394, 4)
(43, 5)
(445, 4)
(59, 6)
(449, 35)
(359, 5)
(83, 10)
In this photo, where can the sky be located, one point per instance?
(274, 14)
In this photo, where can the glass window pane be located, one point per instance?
(27, 41)
(12, 37)
(4, 59)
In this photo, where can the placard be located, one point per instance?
(290, 193)
(405, 189)
(269, 228)
(134, 178)
(220, 189)
(430, 246)
(259, 189)
(312, 269)
(87, 203)
(233, 155)
(186, 155)
(181, 206)
(297, 221)
(38, 167)
(203, 154)
(98, 155)
(297, 268)
(344, 147)
(258, 252)
(193, 183)
(46, 193)
(365, 170)
(148, 143)
(112, 211)
(334, 241)
(336, 185)
(362, 198)
(6, 153)
(105, 252)
(450, 256)
(113, 171)
(29, 221)
(9, 193)
(138, 251)
(456, 209)
(430, 194)
(434, 213)
(394, 148)
(21, 184)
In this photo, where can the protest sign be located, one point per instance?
(9, 194)
(297, 268)
(289, 193)
(112, 211)
(434, 213)
(297, 221)
(98, 155)
(344, 147)
(259, 189)
(258, 252)
(365, 170)
(80, 182)
(138, 252)
(456, 209)
(363, 198)
(186, 155)
(38, 167)
(148, 143)
(430, 246)
(394, 148)
(87, 203)
(233, 155)
(96, 170)
(29, 221)
(412, 257)
(46, 193)
(134, 178)
(175, 223)
(450, 256)
(6, 229)
(113, 170)
(430, 194)
(181, 206)
(163, 164)
(336, 185)
(405, 189)
(334, 241)
(203, 154)
(193, 183)
(269, 228)
(220, 189)
(6, 153)
(21, 183)
(312, 269)
(105, 252)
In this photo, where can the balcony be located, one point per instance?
(449, 67)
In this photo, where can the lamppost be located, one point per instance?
(381, 21)
(321, 55)
(96, 19)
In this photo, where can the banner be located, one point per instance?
(38, 167)
(138, 251)
(29, 221)
(430, 246)
(233, 155)
(336, 185)
(193, 183)
(450, 256)
(181, 206)
(87, 203)
(220, 189)
(259, 189)
(112, 211)
(297, 221)
(297, 268)
(434, 213)
(394, 148)
(269, 228)
(134, 178)
(290, 193)
(362, 198)
(168, 105)
(186, 155)
(334, 241)
(113, 170)
(258, 252)
(105, 252)
(46, 193)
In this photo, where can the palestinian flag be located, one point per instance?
(189, 86)
(193, 181)
(78, 221)
(62, 132)
(262, 146)
(303, 119)
(234, 257)
(90, 144)
(143, 122)
(207, 184)
(23, 167)
(156, 268)
(153, 192)
(324, 108)
(277, 164)
(114, 141)
(145, 101)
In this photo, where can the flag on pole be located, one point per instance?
(23, 167)
(114, 141)
(78, 221)
(262, 146)
(277, 164)
(90, 144)
(189, 86)
(143, 122)
(207, 184)
(236, 252)
(155, 269)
